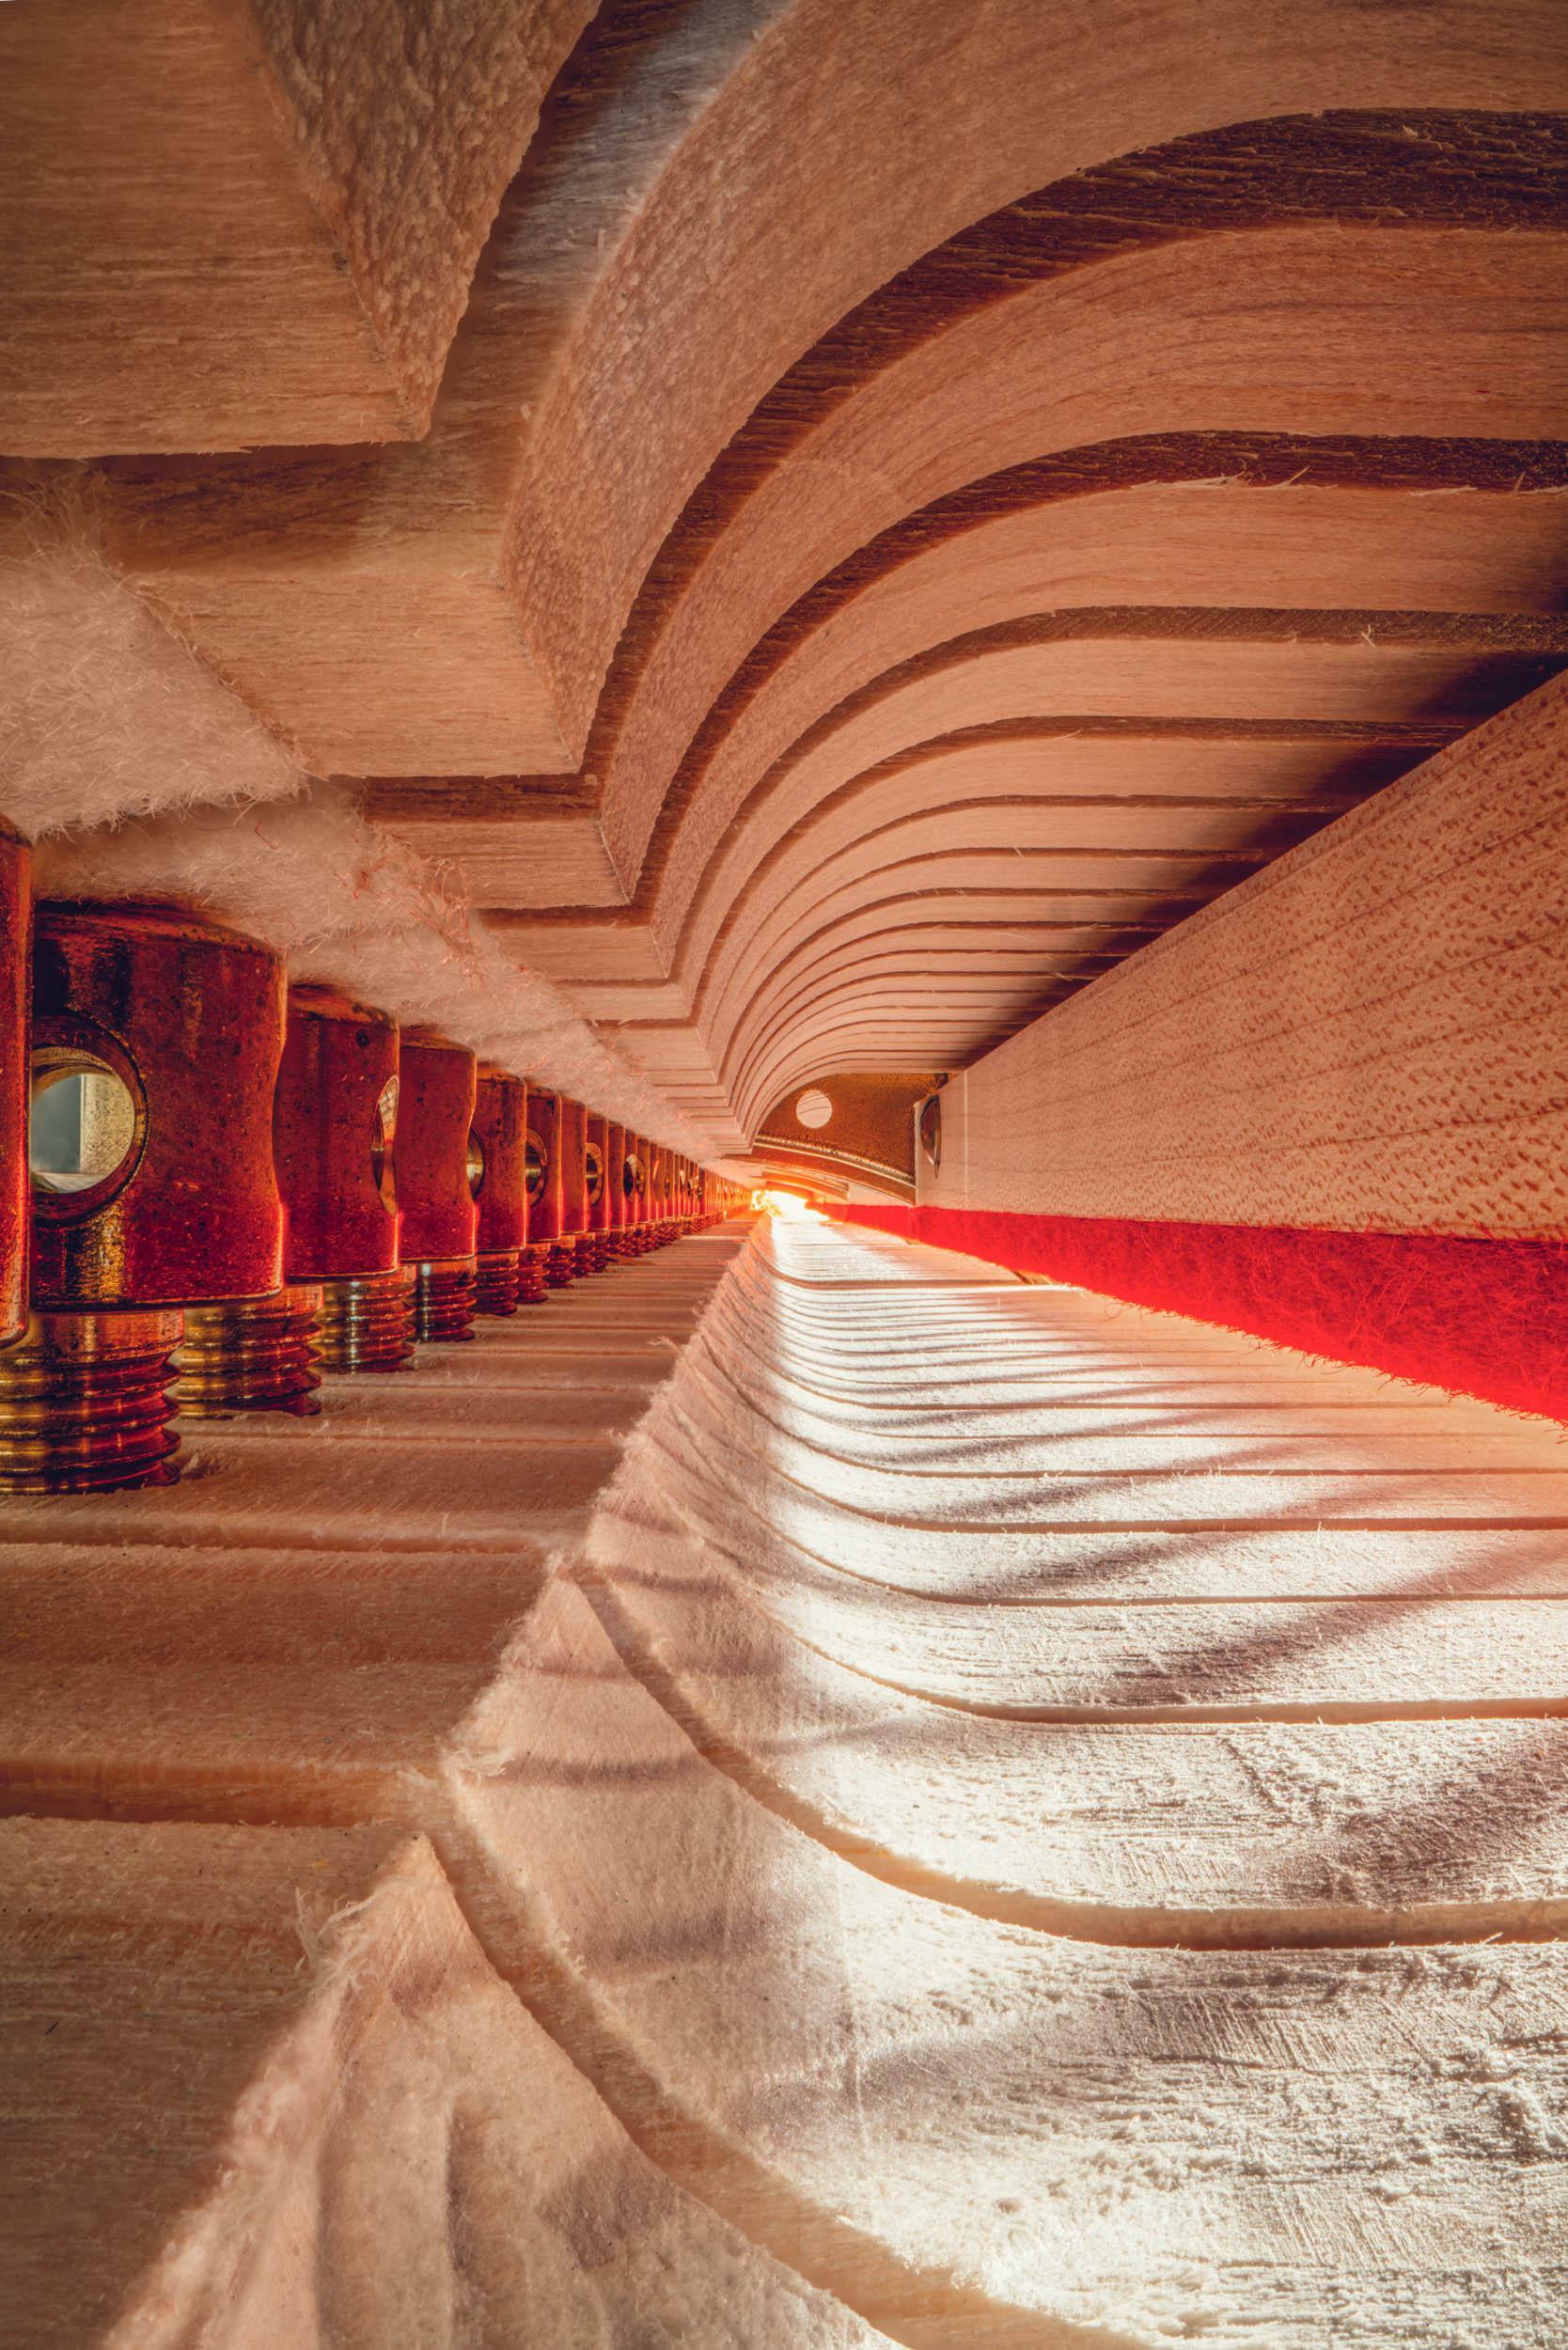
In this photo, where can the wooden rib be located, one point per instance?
(1013, 669)
(1449, 170)
(229, 227)
(492, 519)
(1053, 370)
(993, 556)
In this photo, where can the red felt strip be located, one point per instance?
(1478, 1317)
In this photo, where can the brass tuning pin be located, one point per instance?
(435, 1182)
(154, 1048)
(334, 1129)
(498, 1172)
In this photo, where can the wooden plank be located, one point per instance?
(1247, 1832)
(226, 226)
(1139, 2134)
(302, 1627)
(261, 2087)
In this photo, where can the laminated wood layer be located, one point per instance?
(832, 212)
(1220, 546)
(1152, 213)
(583, 305)
(250, 224)
(1184, 343)
(1074, 783)
(603, 641)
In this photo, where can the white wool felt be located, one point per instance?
(104, 712)
(343, 901)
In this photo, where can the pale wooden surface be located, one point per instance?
(301, 1625)
(261, 2089)
(706, 166)
(190, 2014)
(991, 2030)
(844, 1802)
(937, 1902)
(817, 1566)
(988, 2131)
(669, 571)
(1052, 368)
(1358, 1037)
(295, 193)
(646, 555)
(1183, 546)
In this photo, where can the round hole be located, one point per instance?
(631, 1176)
(536, 1165)
(83, 1124)
(383, 1127)
(814, 1109)
(593, 1172)
(476, 1164)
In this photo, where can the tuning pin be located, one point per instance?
(499, 1158)
(658, 1195)
(154, 1048)
(266, 1354)
(16, 983)
(435, 1182)
(571, 1151)
(634, 1178)
(333, 1124)
(614, 1228)
(596, 1200)
(544, 1188)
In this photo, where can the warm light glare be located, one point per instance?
(790, 1204)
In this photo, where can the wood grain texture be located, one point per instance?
(320, 1618)
(812, 1794)
(742, 1577)
(1439, 170)
(862, 688)
(772, 1909)
(893, 178)
(573, 327)
(1188, 338)
(301, 192)
(1371, 1010)
(262, 2089)
(617, 635)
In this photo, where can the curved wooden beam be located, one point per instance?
(222, 225)
(1197, 529)
(569, 423)
(1321, 329)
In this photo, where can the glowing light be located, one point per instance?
(791, 1205)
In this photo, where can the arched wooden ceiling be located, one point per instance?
(1113, 547)
(916, 505)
